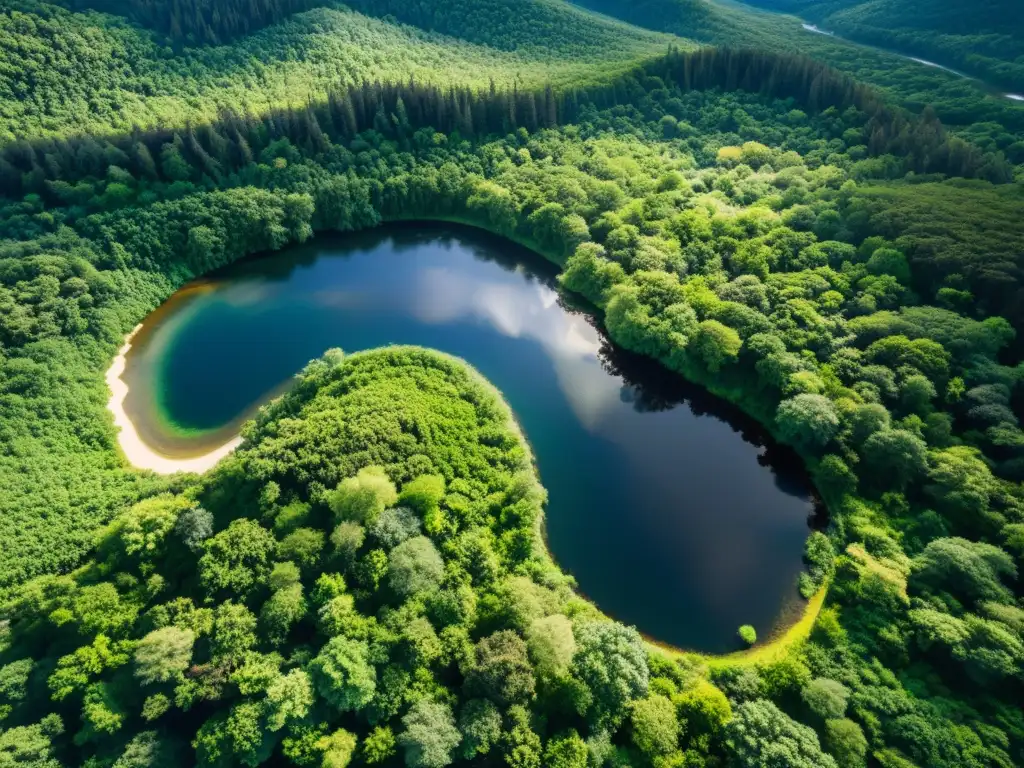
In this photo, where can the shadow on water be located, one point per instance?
(650, 388)
(673, 510)
(403, 237)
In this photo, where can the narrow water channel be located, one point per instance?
(674, 512)
(988, 87)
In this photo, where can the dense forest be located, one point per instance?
(987, 41)
(920, 142)
(200, 21)
(987, 119)
(70, 73)
(363, 582)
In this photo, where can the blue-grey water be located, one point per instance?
(672, 510)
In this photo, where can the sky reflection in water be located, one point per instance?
(670, 508)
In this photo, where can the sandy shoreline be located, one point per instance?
(139, 454)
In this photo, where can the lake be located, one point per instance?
(674, 511)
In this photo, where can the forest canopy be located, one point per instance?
(341, 617)
(791, 228)
(987, 41)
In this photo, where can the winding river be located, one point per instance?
(673, 511)
(993, 89)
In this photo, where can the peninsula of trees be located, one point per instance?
(363, 582)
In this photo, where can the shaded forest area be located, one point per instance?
(921, 142)
(986, 39)
(200, 22)
(988, 120)
(70, 73)
(495, 23)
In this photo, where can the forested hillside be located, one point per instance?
(364, 582)
(67, 73)
(987, 119)
(985, 38)
(200, 21)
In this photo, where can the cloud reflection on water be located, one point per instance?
(528, 311)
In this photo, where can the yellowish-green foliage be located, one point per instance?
(778, 647)
(878, 567)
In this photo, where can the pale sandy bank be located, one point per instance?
(135, 449)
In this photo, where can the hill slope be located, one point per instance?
(997, 122)
(199, 22)
(986, 39)
(64, 72)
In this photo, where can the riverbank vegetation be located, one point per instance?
(987, 42)
(793, 243)
(362, 581)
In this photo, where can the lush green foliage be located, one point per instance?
(231, 647)
(895, 142)
(747, 634)
(987, 39)
(993, 122)
(199, 21)
(68, 73)
(362, 582)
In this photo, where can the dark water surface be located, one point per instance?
(673, 511)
